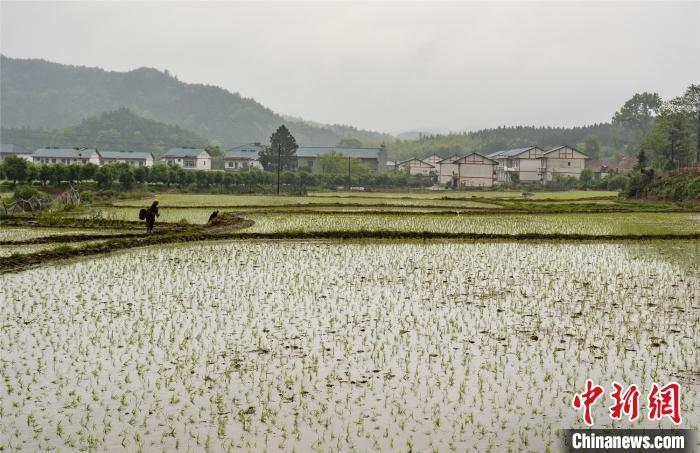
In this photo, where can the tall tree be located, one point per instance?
(669, 141)
(637, 114)
(217, 156)
(591, 146)
(282, 149)
(16, 168)
(690, 103)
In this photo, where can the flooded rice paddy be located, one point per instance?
(340, 347)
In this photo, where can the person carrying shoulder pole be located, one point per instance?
(151, 215)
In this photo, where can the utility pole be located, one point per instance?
(348, 173)
(279, 166)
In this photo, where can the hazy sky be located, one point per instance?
(386, 66)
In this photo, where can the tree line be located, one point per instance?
(124, 176)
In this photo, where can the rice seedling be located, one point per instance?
(334, 347)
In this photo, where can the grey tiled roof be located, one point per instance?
(448, 160)
(415, 158)
(361, 153)
(183, 152)
(508, 152)
(248, 151)
(66, 153)
(479, 155)
(563, 146)
(125, 155)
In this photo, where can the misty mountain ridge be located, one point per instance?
(41, 94)
(117, 130)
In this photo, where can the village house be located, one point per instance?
(7, 150)
(475, 170)
(526, 163)
(374, 158)
(448, 171)
(562, 160)
(415, 167)
(188, 158)
(135, 158)
(433, 160)
(66, 156)
(244, 157)
(604, 167)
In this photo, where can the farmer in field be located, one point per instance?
(150, 215)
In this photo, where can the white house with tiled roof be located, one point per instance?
(188, 158)
(415, 166)
(475, 170)
(7, 150)
(243, 157)
(135, 158)
(526, 163)
(564, 160)
(448, 171)
(66, 156)
(433, 160)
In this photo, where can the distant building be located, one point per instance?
(7, 150)
(188, 158)
(604, 167)
(390, 165)
(415, 167)
(526, 163)
(66, 156)
(562, 160)
(475, 170)
(374, 158)
(448, 171)
(244, 157)
(626, 165)
(135, 158)
(433, 160)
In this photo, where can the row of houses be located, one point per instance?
(473, 170)
(239, 158)
(190, 158)
(485, 170)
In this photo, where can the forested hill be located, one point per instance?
(121, 129)
(610, 138)
(41, 94)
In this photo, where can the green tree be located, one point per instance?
(669, 141)
(16, 169)
(349, 143)
(46, 173)
(87, 171)
(283, 148)
(126, 176)
(690, 104)
(637, 114)
(217, 156)
(591, 146)
(159, 174)
(333, 163)
(141, 174)
(104, 176)
(641, 160)
(586, 177)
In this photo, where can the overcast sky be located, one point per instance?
(386, 66)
